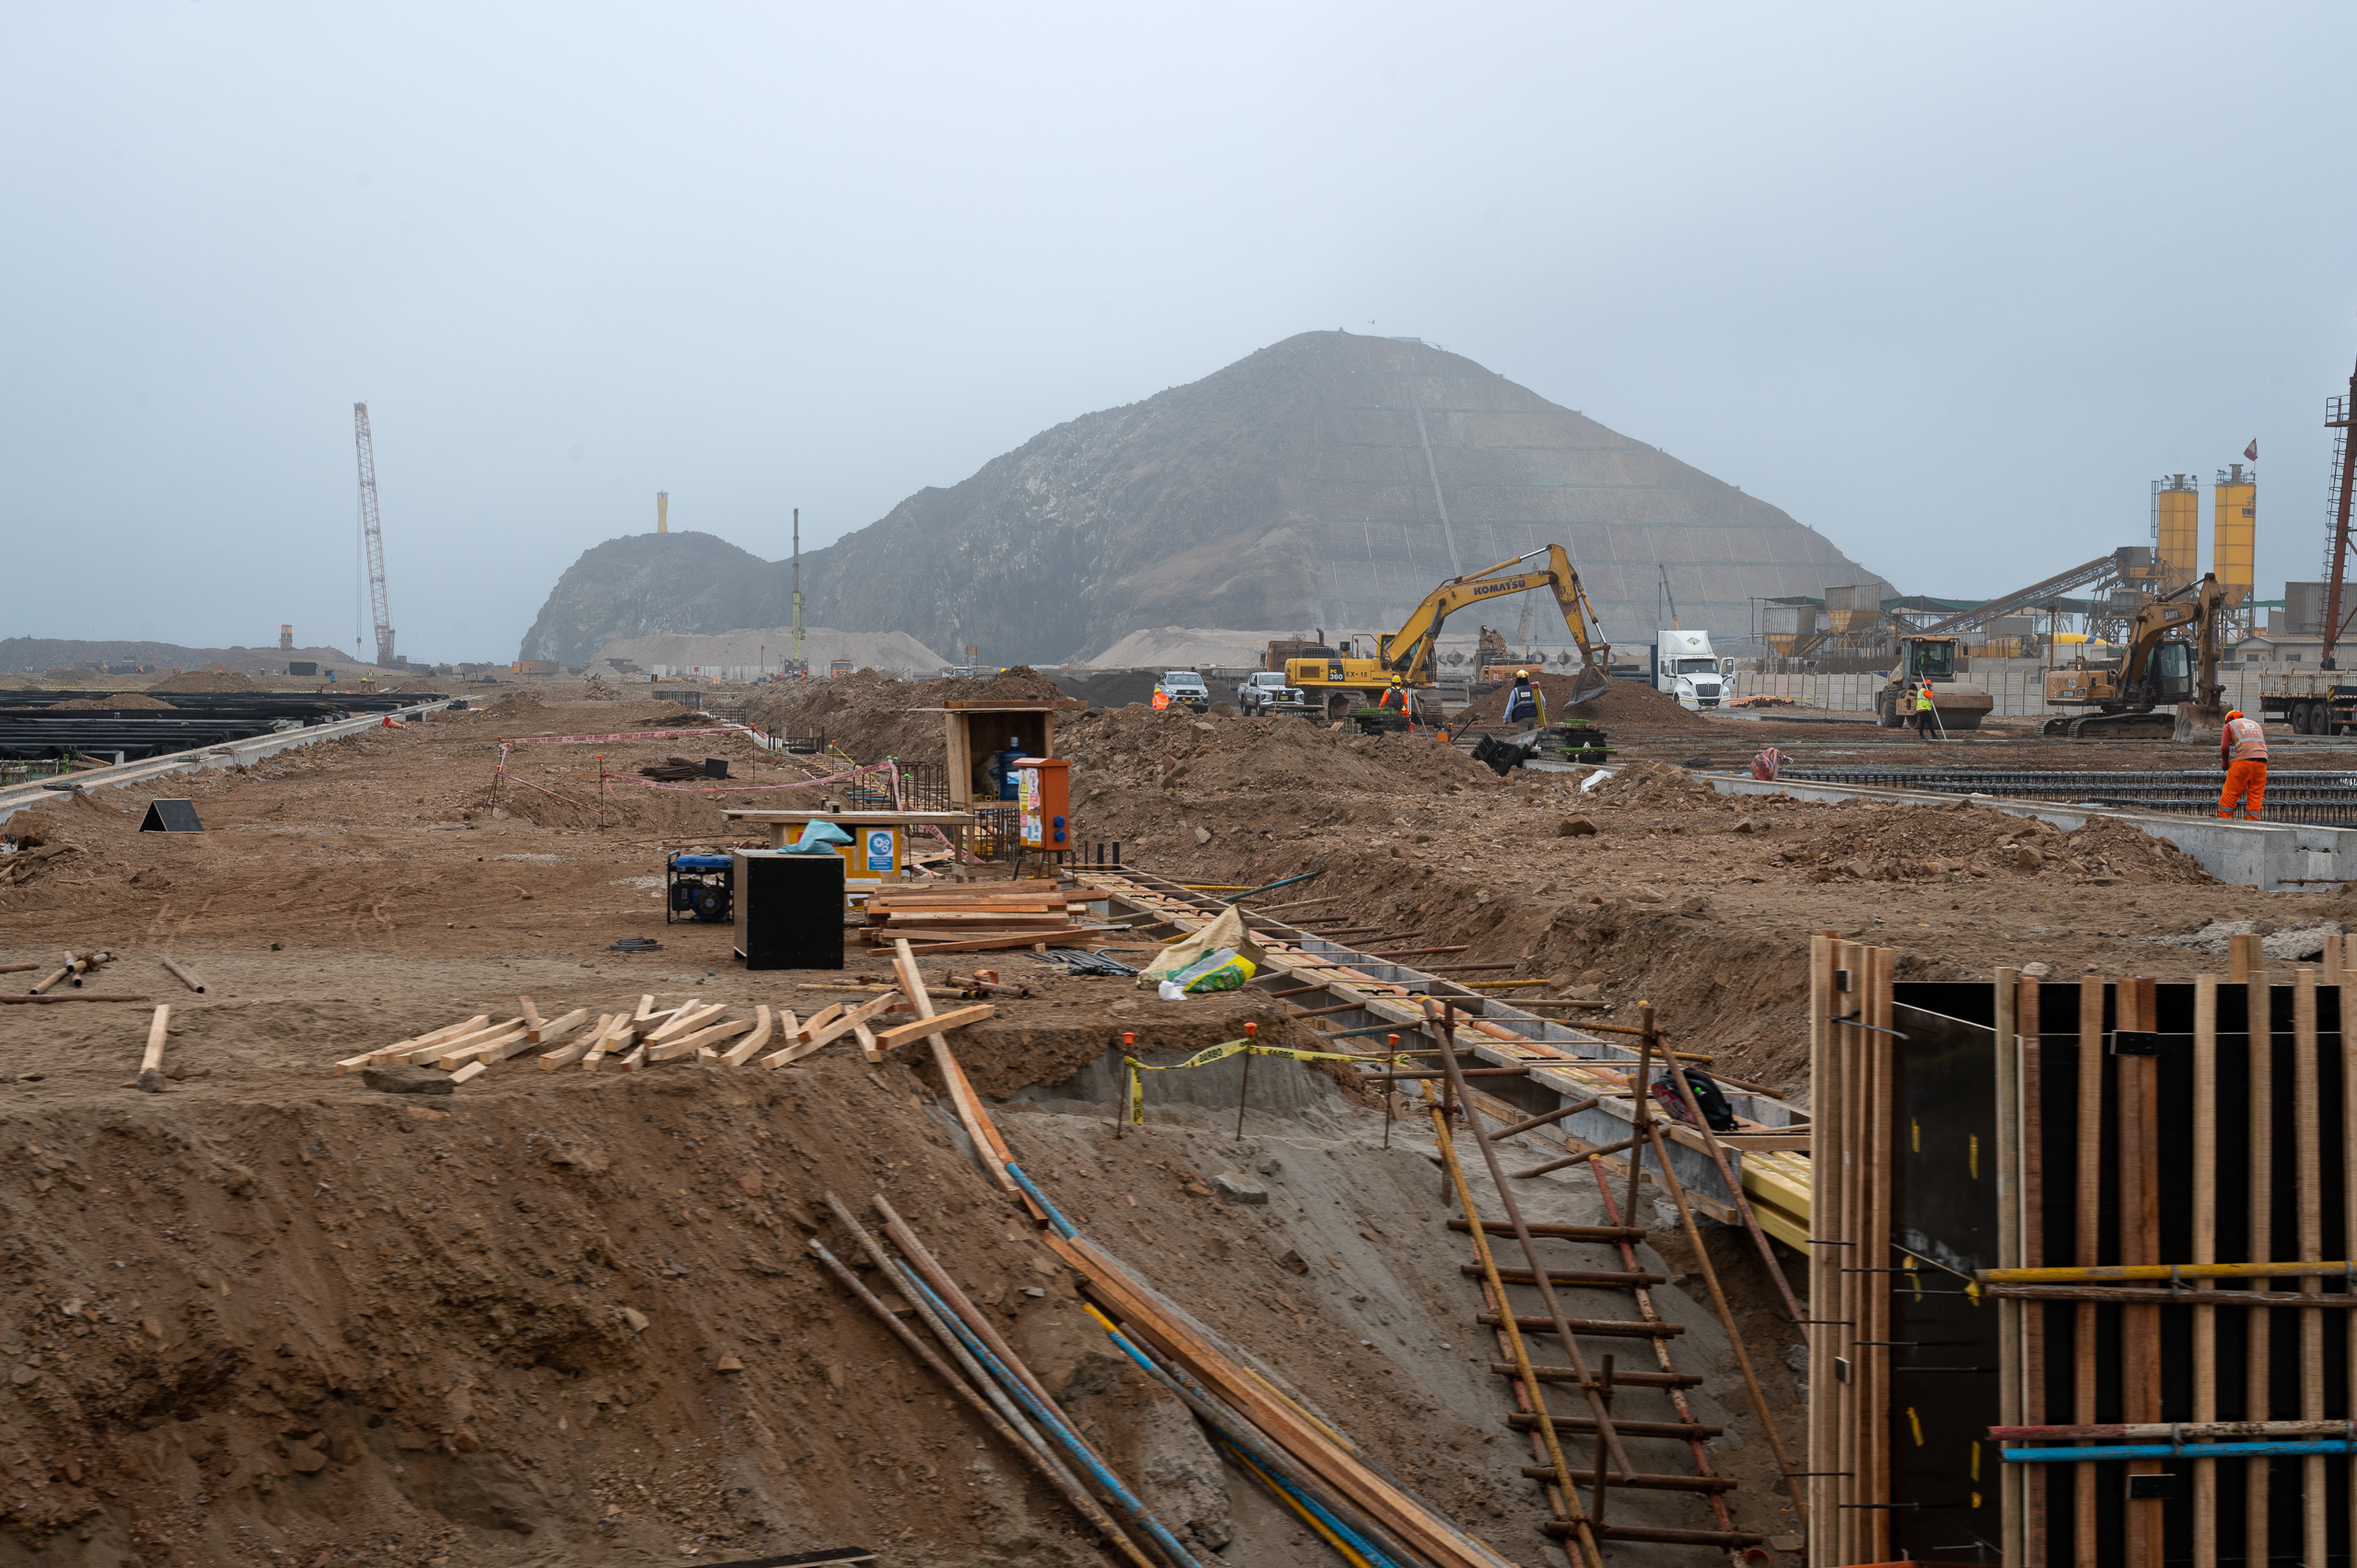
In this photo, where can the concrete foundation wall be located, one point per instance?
(2016, 686)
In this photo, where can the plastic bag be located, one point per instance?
(1219, 969)
(818, 837)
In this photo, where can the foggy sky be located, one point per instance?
(1951, 287)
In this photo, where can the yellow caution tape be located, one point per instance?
(1221, 1053)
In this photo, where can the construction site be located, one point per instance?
(1419, 1095)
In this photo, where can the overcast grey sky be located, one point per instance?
(1950, 284)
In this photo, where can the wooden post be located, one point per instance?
(2009, 1249)
(2026, 1017)
(2205, 1250)
(1874, 1251)
(2347, 1180)
(2245, 958)
(2334, 950)
(1824, 1259)
(2084, 1235)
(2261, 1076)
(151, 1065)
(2136, 1081)
(2309, 1201)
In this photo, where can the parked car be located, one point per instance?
(1186, 686)
(1264, 691)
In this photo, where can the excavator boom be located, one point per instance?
(1408, 653)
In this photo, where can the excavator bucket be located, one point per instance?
(1587, 684)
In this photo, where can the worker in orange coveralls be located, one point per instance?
(2242, 751)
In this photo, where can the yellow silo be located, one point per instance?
(2234, 536)
(2177, 530)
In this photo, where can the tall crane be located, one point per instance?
(372, 533)
(2337, 412)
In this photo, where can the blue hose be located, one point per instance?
(1357, 1542)
(2171, 1451)
(1063, 1226)
(1051, 1420)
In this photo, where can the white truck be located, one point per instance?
(1684, 668)
(1265, 691)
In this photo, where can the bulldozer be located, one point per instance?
(1959, 704)
(2152, 669)
(1344, 682)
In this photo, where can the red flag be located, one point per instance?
(2251, 452)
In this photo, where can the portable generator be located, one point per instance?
(698, 887)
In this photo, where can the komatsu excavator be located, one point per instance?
(2152, 669)
(1343, 682)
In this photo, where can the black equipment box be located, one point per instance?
(789, 910)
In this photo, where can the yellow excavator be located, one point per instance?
(1343, 682)
(2152, 669)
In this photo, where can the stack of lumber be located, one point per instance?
(628, 1043)
(971, 917)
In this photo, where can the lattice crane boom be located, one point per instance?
(372, 533)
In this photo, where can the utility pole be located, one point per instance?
(797, 585)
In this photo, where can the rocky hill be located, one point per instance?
(1329, 479)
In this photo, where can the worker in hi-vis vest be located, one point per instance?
(1161, 698)
(2242, 751)
(1926, 716)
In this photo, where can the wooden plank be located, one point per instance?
(646, 1007)
(2009, 1247)
(970, 1114)
(554, 1026)
(744, 1050)
(458, 1053)
(472, 1070)
(844, 1023)
(2028, 1014)
(565, 1056)
(2137, 1131)
(867, 1039)
(938, 1023)
(995, 944)
(614, 1036)
(491, 1055)
(689, 1044)
(151, 1064)
(2347, 1183)
(686, 1019)
(2261, 1195)
(402, 1047)
(2084, 1241)
(1823, 1279)
(2205, 1250)
(819, 1020)
(631, 1064)
(1290, 1427)
(435, 1052)
(531, 1015)
(2308, 1201)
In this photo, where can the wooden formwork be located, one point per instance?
(2092, 1218)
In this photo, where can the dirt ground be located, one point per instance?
(272, 1316)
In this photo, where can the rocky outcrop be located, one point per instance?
(1329, 479)
(653, 582)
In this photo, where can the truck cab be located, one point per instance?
(1686, 668)
(1266, 690)
(1186, 686)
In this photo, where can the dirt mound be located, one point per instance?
(1659, 784)
(126, 701)
(866, 716)
(1879, 843)
(1281, 760)
(208, 680)
(1624, 703)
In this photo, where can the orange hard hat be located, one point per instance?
(2235, 713)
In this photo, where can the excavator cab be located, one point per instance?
(2173, 673)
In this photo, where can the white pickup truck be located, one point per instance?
(1264, 691)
